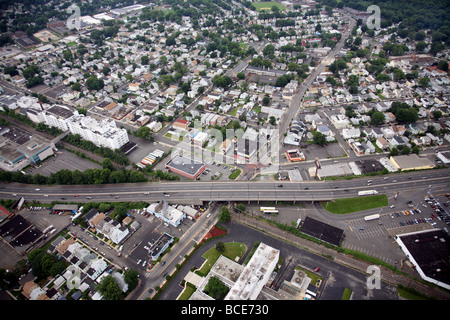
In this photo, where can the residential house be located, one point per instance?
(382, 143)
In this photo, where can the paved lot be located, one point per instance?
(63, 160)
(336, 277)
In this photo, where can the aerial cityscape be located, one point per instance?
(211, 150)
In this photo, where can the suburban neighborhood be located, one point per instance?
(139, 127)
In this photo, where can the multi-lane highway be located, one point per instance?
(197, 191)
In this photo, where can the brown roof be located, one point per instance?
(64, 245)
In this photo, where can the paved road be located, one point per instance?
(197, 191)
(294, 107)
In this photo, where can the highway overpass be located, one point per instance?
(196, 192)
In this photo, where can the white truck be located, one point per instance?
(372, 217)
(367, 192)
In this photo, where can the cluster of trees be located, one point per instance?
(284, 80)
(216, 288)
(44, 264)
(94, 83)
(222, 81)
(89, 176)
(404, 113)
(32, 76)
(67, 177)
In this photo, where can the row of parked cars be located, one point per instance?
(439, 212)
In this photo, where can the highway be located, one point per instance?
(197, 191)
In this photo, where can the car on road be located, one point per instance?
(280, 186)
(316, 269)
(76, 196)
(146, 192)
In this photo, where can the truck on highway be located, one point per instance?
(372, 217)
(367, 192)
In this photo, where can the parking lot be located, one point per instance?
(62, 160)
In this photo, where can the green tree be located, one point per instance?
(224, 215)
(443, 65)
(377, 118)
(109, 288)
(220, 247)
(319, 138)
(216, 288)
(93, 83)
(131, 278)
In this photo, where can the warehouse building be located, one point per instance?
(186, 167)
(411, 162)
(429, 252)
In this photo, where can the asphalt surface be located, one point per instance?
(197, 191)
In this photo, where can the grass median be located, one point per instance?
(349, 205)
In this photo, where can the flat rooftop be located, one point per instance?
(184, 164)
(255, 275)
(60, 112)
(431, 251)
(322, 231)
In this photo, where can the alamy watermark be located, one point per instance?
(374, 280)
(374, 21)
(74, 21)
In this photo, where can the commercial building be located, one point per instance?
(168, 214)
(255, 275)
(186, 167)
(294, 155)
(18, 148)
(429, 252)
(127, 10)
(411, 162)
(160, 245)
(245, 282)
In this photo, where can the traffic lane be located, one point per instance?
(140, 188)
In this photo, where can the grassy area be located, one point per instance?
(411, 294)
(346, 295)
(315, 278)
(267, 5)
(349, 205)
(232, 250)
(234, 174)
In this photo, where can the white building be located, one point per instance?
(255, 275)
(104, 133)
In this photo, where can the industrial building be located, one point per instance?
(186, 167)
(411, 162)
(18, 148)
(429, 252)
